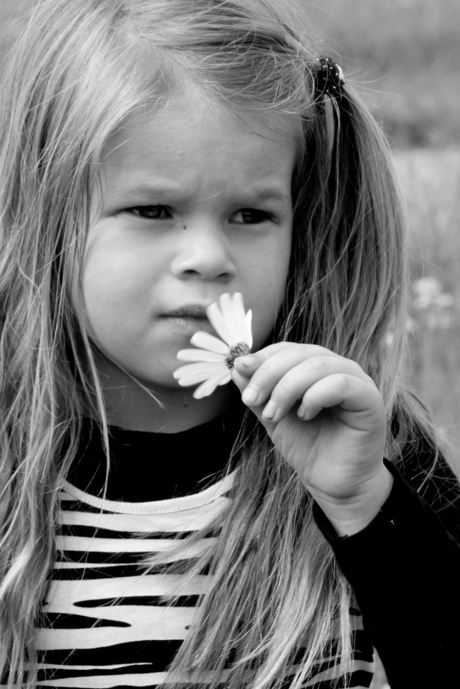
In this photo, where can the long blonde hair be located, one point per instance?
(79, 69)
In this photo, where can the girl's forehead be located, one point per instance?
(188, 149)
(186, 123)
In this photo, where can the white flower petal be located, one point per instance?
(248, 326)
(199, 355)
(228, 318)
(239, 322)
(191, 374)
(208, 387)
(219, 323)
(210, 366)
(238, 315)
(209, 361)
(207, 341)
(233, 313)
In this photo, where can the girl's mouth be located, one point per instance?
(188, 311)
(189, 319)
(189, 324)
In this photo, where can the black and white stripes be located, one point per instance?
(105, 622)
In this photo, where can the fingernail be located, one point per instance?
(250, 395)
(245, 361)
(269, 411)
(302, 412)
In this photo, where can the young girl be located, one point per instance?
(155, 156)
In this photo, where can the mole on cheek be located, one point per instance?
(185, 227)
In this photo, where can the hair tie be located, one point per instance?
(328, 78)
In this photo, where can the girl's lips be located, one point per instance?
(188, 311)
(188, 324)
(189, 319)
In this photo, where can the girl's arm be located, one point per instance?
(404, 568)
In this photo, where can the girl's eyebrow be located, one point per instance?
(269, 194)
(176, 193)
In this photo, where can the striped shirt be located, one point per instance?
(105, 620)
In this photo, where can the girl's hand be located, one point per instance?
(334, 438)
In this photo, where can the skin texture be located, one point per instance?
(192, 207)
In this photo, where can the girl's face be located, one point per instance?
(191, 208)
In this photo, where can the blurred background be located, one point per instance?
(404, 57)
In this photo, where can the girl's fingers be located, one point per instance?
(282, 380)
(269, 365)
(247, 365)
(351, 394)
(240, 381)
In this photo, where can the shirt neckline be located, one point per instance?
(205, 449)
(205, 497)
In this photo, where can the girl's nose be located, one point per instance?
(203, 253)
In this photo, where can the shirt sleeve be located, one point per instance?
(404, 568)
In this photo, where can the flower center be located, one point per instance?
(238, 350)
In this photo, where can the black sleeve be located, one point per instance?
(404, 568)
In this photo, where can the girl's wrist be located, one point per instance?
(351, 515)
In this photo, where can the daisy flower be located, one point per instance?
(213, 359)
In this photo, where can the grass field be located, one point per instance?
(432, 182)
(405, 56)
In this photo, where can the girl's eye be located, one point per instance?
(151, 212)
(251, 216)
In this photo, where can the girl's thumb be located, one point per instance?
(240, 381)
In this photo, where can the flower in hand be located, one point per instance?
(213, 359)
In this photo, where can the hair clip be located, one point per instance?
(328, 78)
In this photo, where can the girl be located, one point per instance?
(156, 155)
